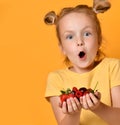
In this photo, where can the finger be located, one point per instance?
(69, 106)
(74, 105)
(98, 94)
(77, 103)
(89, 101)
(84, 104)
(93, 98)
(81, 100)
(60, 104)
(64, 107)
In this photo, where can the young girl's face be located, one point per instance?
(79, 40)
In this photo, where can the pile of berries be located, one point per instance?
(75, 92)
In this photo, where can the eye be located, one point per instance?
(69, 37)
(87, 34)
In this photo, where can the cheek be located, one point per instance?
(64, 49)
(97, 46)
(68, 48)
(93, 46)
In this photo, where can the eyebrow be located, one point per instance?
(87, 27)
(70, 31)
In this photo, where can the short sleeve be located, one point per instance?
(54, 84)
(115, 73)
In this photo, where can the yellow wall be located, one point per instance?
(28, 51)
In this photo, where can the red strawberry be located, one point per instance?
(63, 97)
(66, 94)
(71, 95)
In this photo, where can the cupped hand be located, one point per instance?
(90, 101)
(71, 106)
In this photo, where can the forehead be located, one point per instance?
(77, 15)
(75, 19)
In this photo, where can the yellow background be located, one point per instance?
(28, 51)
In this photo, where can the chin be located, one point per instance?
(87, 65)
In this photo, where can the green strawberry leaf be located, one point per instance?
(68, 91)
(63, 91)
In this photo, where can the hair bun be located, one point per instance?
(100, 6)
(50, 18)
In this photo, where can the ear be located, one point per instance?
(62, 49)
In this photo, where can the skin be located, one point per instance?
(82, 36)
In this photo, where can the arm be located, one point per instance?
(109, 114)
(66, 115)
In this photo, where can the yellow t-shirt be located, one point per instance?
(106, 73)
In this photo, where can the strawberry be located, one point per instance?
(66, 94)
(63, 97)
(71, 95)
(75, 92)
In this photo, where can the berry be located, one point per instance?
(90, 90)
(74, 89)
(63, 97)
(71, 95)
(66, 94)
(75, 92)
(78, 94)
(86, 92)
(83, 89)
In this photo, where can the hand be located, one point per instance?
(90, 101)
(71, 106)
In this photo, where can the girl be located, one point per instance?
(79, 34)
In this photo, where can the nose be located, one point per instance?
(80, 42)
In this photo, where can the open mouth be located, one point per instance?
(81, 54)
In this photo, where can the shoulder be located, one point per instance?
(109, 64)
(112, 61)
(57, 73)
(113, 65)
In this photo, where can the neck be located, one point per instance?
(83, 70)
